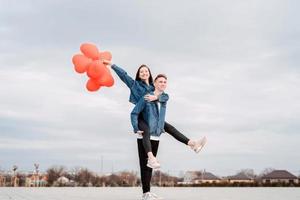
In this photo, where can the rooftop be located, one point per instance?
(279, 174)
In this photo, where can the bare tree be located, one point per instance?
(266, 171)
(84, 177)
(54, 173)
(248, 172)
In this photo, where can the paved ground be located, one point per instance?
(135, 193)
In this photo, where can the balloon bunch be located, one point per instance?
(91, 63)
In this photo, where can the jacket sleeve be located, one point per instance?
(123, 75)
(135, 114)
(164, 97)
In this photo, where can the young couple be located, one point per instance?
(148, 120)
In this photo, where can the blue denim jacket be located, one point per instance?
(137, 88)
(154, 117)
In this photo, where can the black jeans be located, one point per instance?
(175, 133)
(146, 172)
(143, 126)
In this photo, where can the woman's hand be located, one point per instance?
(140, 133)
(150, 97)
(106, 62)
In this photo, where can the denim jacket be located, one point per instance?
(154, 117)
(137, 88)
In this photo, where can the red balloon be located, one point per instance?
(92, 85)
(81, 63)
(106, 79)
(106, 55)
(90, 51)
(96, 69)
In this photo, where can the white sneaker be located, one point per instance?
(148, 196)
(199, 144)
(153, 163)
(156, 197)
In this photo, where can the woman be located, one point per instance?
(142, 85)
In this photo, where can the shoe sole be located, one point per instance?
(152, 167)
(202, 145)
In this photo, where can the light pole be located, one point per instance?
(159, 178)
(14, 178)
(36, 174)
(101, 165)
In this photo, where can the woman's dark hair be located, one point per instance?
(137, 76)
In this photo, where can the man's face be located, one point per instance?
(160, 84)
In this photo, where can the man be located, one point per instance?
(153, 113)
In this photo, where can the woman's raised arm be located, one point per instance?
(121, 73)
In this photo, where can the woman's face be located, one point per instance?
(144, 73)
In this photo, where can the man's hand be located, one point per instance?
(150, 97)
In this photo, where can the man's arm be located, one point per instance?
(163, 98)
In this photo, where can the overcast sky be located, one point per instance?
(233, 75)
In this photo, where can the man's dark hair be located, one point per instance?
(160, 75)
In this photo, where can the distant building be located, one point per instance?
(280, 176)
(63, 180)
(2, 180)
(207, 177)
(15, 181)
(189, 177)
(240, 178)
(198, 177)
(34, 180)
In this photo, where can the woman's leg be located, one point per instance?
(175, 133)
(143, 126)
(196, 145)
(152, 161)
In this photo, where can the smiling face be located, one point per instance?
(144, 74)
(160, 84)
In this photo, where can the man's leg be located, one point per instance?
(149, 170)
(143, 166)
